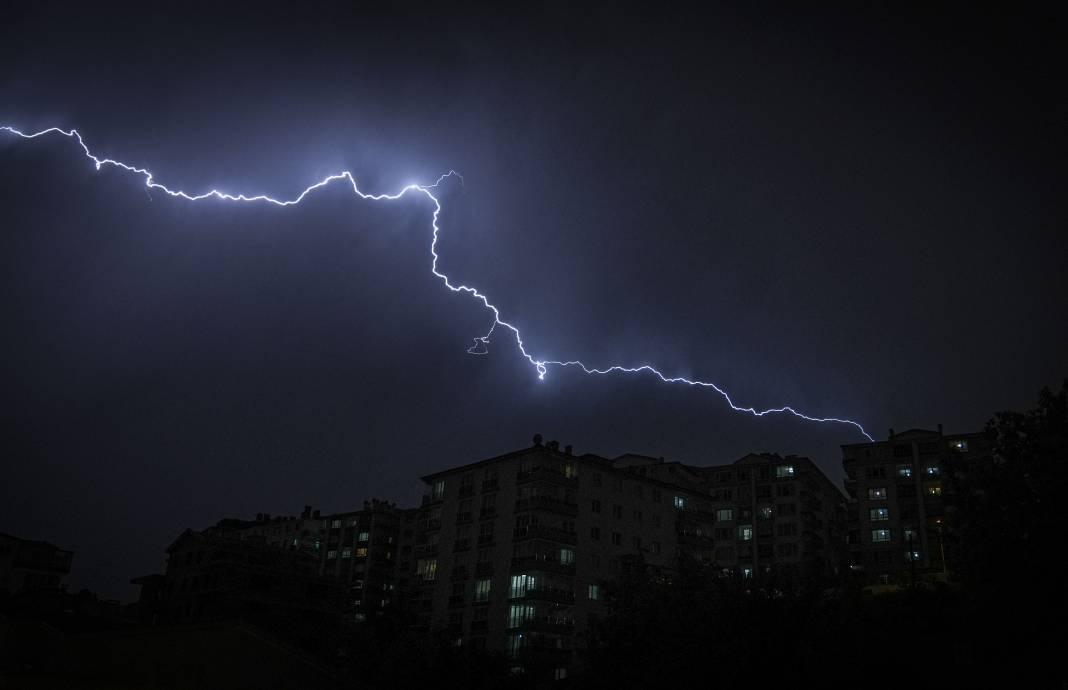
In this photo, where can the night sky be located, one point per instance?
(859, 213)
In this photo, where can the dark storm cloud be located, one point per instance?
(854, 213)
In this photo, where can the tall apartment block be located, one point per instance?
(895, 487)
(777, 515)
(772, 514)
(514, 549)
(360, 549)
(363, 549)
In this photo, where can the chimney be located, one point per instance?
(891, 432)
(537, 439)
(567, 449)
(306, 512)
(939, 429)
(553, 445)
(315, 514)
(259, 517)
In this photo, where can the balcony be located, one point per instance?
(432, 524)
(477, 626)
(456, 601)
(467, 490)
(554, 626)
(543, 532)
(458, 574)
(461, 545)
(525, 563)
(483, 569)
(545, 474)
(490, 485)
(485, 540)
(426, 550)
(463, 518)
(558, 596)
(429, 499)
(544, 656)
(696, 539)
(487, 513)
(548, 503)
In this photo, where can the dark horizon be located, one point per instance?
(853, 211)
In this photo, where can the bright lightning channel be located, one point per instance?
(481, 343)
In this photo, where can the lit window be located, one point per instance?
(879, 514)
(518, 614)
(361, 552)
(595, 592)
(346, 553)
(439, 490)
(784, 471)
(364, 536)
(877, 494)
(745, 532)
(482, 589)
(331, 554)
(880, 535)
(520, 585)
(560, 673)
(934, 489)
(913, 556)
(747, 573)
(567, 556)
(934, 471)
(335, 524)
(904, 471)
(909, 533)
(427, 569)
(680, 502)
(960, 445)
(765, 512)
(724, 514)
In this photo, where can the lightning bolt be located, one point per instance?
(481, 343)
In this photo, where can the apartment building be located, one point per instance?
(215, 574)
(360, 549)
(29, 564)
(897, 508)
(513, 551)
(777, 516)
(363, 550)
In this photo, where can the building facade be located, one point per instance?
(776, 516)
(362, 549)
(897, 504)
(27, 564)
(513, 551)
